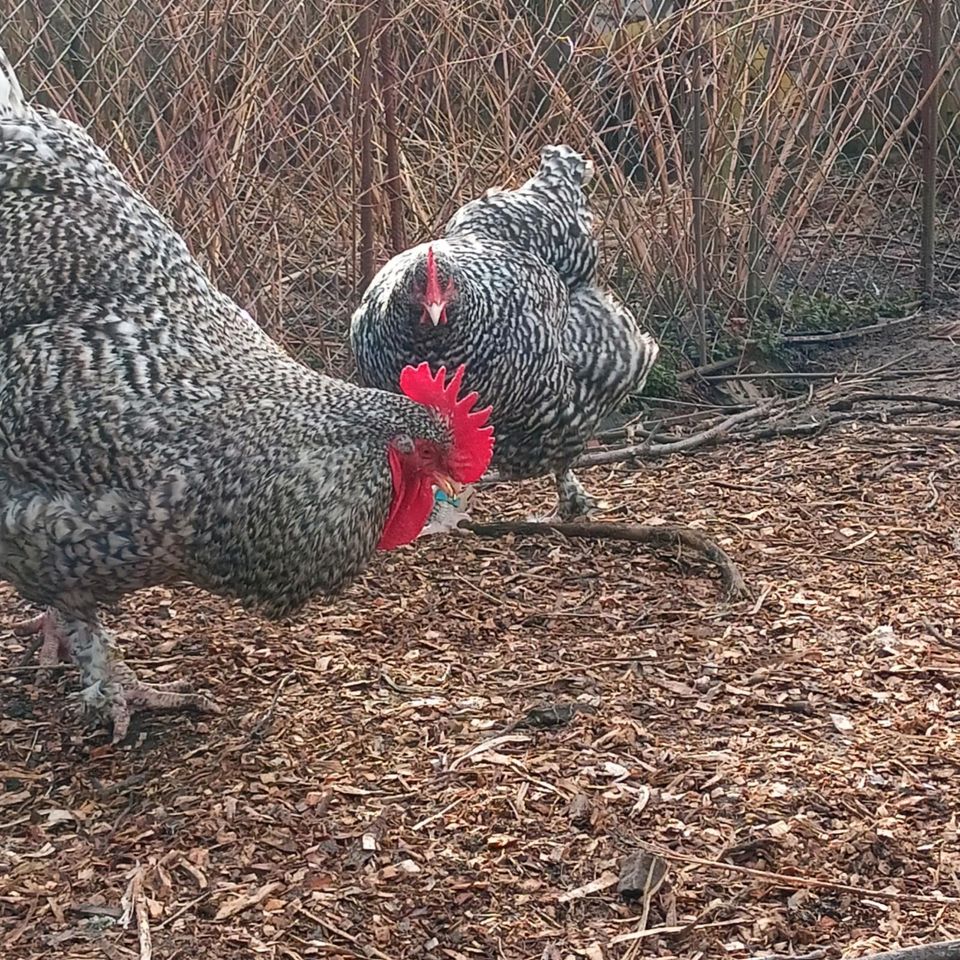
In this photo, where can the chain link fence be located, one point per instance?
(761, 163)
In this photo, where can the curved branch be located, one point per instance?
(666, 535)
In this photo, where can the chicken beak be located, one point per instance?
(448, 485)
(436, 312)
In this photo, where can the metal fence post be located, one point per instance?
(930, 128)
(697, 197)
(367, 27)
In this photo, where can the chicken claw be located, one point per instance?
(55, 646)
(131, 695)
(113, 688)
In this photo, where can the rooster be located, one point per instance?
(150, 432)
(510, 290)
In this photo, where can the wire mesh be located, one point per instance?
(297, 144)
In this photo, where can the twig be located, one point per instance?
(788, 706)
(406, 688)
(367, 26)
(683, 928)
(388, 80)
(812, 955)
(420, 824)
(821, 424)
(845, 403)
(839, 412)
(135, 907)
(852, 334)
(762, 375)
(715, 367)
(666, 535)
(487, 745)
(934, 492)
(939, 637)
(244, 902)
(324, 924)
(642, 451)
(798, 882)
(257, 729)
(179, 913)
(143, 930)
(930, 63)
(698, 196)
(30, 650)
(947, 433)
(123, 786)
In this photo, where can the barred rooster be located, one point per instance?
(510, 290)
(152, 433)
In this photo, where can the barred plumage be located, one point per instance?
(547, 216)
(511, 292)
(151, 432)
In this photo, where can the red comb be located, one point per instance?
(472, 436)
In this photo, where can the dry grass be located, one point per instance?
(242, 119)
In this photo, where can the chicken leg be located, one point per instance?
(110, 686)
(573, 501)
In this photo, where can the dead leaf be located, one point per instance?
(606, 880)
(238, 904)
(841, 723)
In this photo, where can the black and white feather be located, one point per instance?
(548, 216)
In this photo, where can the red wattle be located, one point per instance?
(410, 507)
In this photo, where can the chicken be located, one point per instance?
(511, 290)
(152, 433)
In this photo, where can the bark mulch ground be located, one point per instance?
(457, 758)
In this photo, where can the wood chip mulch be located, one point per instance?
(535, 748)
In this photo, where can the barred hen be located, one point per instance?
(510, 290)
(152, 433)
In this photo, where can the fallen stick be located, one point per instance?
(945, 433)
(942, 950)
(825, 421)
(715, 367)
(644, 451)
(845, 403)
(797, 882)
(666, 535)
(812, 955)
(852, 334)
(840, 410)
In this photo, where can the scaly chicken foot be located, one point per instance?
(26, 628)
(54, 648)
(113, 688)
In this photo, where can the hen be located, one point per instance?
(150, 432)
(510, 289)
